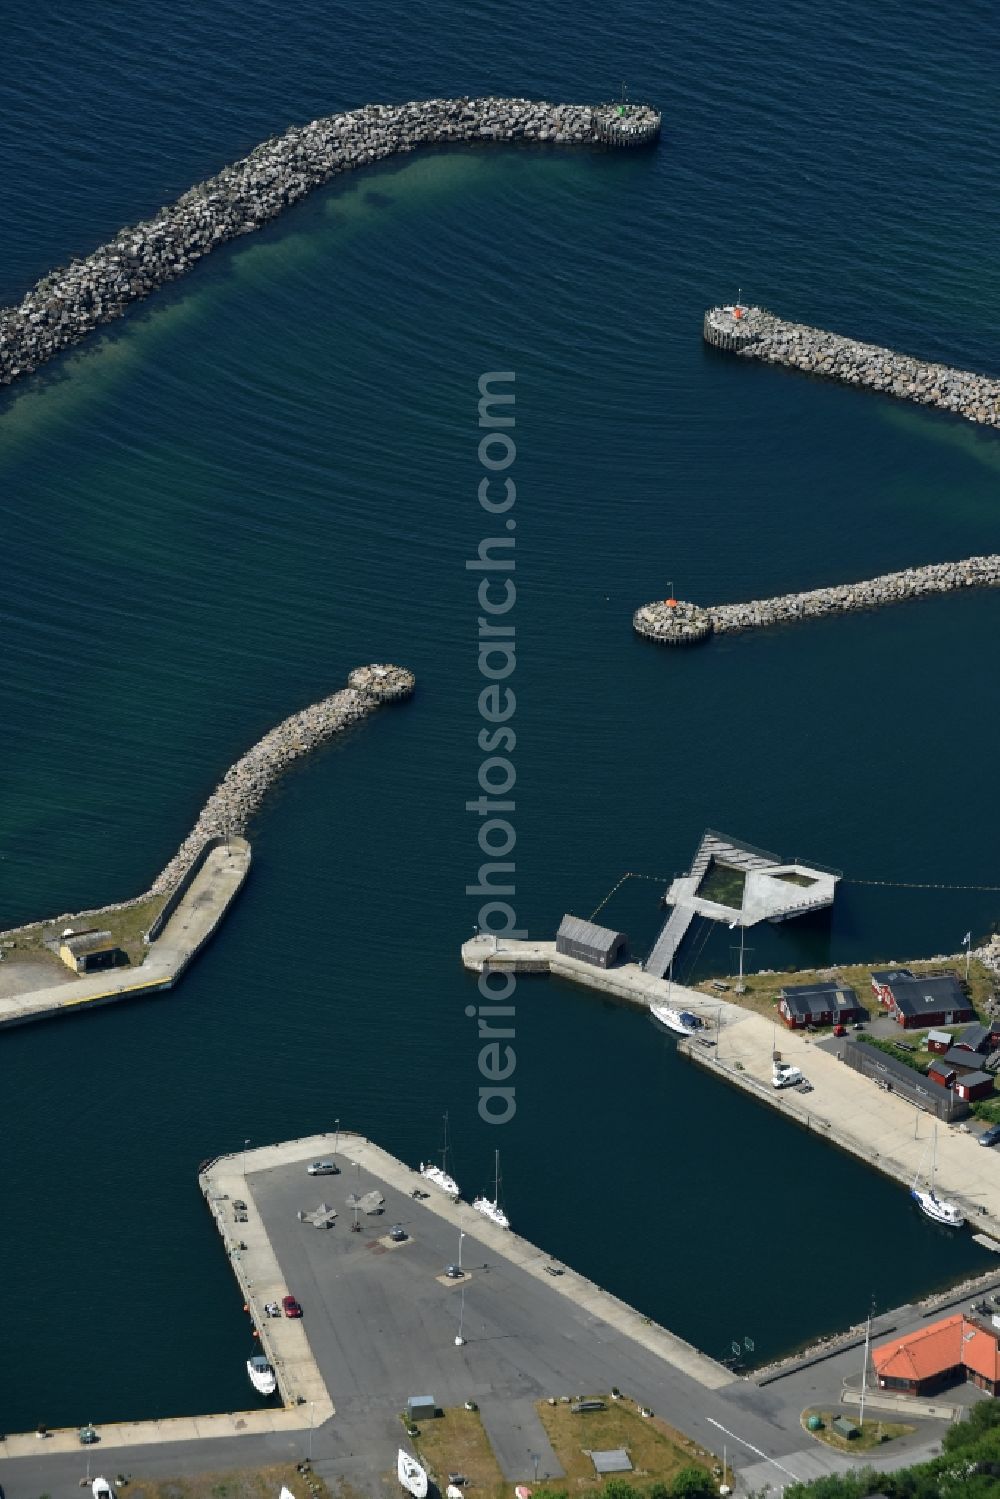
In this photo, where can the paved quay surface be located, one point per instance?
(844, 1107)
(380, 1323)
(199, 913)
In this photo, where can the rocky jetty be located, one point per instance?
(673, 622)
(245, 784)
(754, 333)
(238, 795)
(666, 621)
(71, 301)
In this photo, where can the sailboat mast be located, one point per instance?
(444, 1151)
(496, 1180)
(933, 1158)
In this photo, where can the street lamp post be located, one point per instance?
(312, 1407)
(459, 1339)
(461, 1236)
(336, 1138)
(245, 1144)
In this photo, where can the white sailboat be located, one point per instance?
(439, 1174)
(261, 1375)
(491, 1209)
(411, 1475)
(681, 1022)
(928, 1202)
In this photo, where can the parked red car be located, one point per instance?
(290, 1307)
(840, 1030)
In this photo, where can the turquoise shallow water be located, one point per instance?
(267, 475)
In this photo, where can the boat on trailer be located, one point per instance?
(411, 1475)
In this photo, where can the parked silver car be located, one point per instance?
(323, 1168)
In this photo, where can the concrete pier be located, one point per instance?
(379, 1324)
(755, 333)
(208, 869)
(193, 922)
(667, 621)
(844, 1107)
(71, 301)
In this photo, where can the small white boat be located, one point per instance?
(490, 1207)
(929, 1202)
(101, 1489)
(681, 1022)
(411, 1475)
(453, 1492)
(261, 1375)
(438, 1175)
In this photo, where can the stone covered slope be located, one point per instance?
(71, 301)
(754, 333)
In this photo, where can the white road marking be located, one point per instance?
(751, 1448)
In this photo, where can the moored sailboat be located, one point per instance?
(681, 1022)
(490, 1208)
(439, 1174)
(929, 1202)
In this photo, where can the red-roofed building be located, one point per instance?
(958, 1348)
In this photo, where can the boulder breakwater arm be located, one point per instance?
(244, 786)
(71, 301)
(754, 333)
(676, 622)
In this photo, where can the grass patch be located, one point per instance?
(455, 1442)
(987, 1109)
(792, 877)
(762, 989)
(656, 1450)
(125, 923)
(723, 885)
(916, 1059)
(874, 1433)
(240, 1483)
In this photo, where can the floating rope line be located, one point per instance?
(913, 885)
(659, 879)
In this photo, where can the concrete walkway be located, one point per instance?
(844, 1107)
(198, 914)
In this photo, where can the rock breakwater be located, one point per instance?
(241, 791)
(754, 333)
(71, 301)
(245, 784)
(660, 620)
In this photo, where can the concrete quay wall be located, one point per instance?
(845, 1108)
(259, 1274)
(755, 333)
(663, 622)
(71, 301)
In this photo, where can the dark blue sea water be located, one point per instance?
(267, 474)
